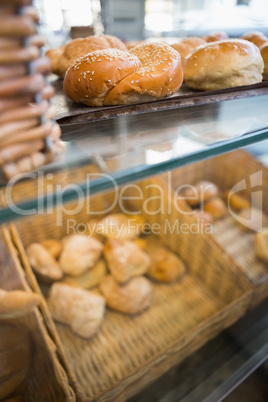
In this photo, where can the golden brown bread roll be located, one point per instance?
(54, 247)
(200, 192)
(216, 207)
(131, 298)
(120, 226)
(165, 265)
(261, 244)
(17, 303)
(79, 254)
(252, 219)
(125, 259)
(264, 55)
(63, 57)
(54, 56)
(90, 278)
(236, 201)
(43, 263)
(216, 36)
(159, 75)
(187, 45)
(113, 77)
(82, 310)
(91, 77)
(258, 38)
(15, 352)
(224, 64)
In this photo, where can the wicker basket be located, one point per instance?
(226, 171)
(130, 352)
(47, 380)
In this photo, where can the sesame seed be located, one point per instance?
(90, 79)
(99, 60)
(109, 80)
(137, 81)
(195, 64)
(79, 79)
(132, 82)
(86, 96)
(119, 68)
(92, 72)
(170, 79)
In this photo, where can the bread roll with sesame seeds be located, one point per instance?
(158, 76)
(92, 76)
(224, 64)
(113, 77)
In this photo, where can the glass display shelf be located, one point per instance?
(129, 148)
(239, 355)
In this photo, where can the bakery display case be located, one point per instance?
(116, 284)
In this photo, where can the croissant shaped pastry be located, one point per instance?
(125, 259)
(43, 263)
(81, 309)
(79, 254)
(131, 298)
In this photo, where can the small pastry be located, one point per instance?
(88, 279)
(120, 226)
(252, 218)
(165, 265)
(44, 265)
(236, 201)
(200, 192)
(130, 298)
(125, 259)
(261, 244)
(80, 309)
(215, 207)
(54, 247)
(79, 254)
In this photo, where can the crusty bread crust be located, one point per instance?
(223, 64)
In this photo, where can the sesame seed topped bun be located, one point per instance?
(112, 77)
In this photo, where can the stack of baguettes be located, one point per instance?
(29, 137)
